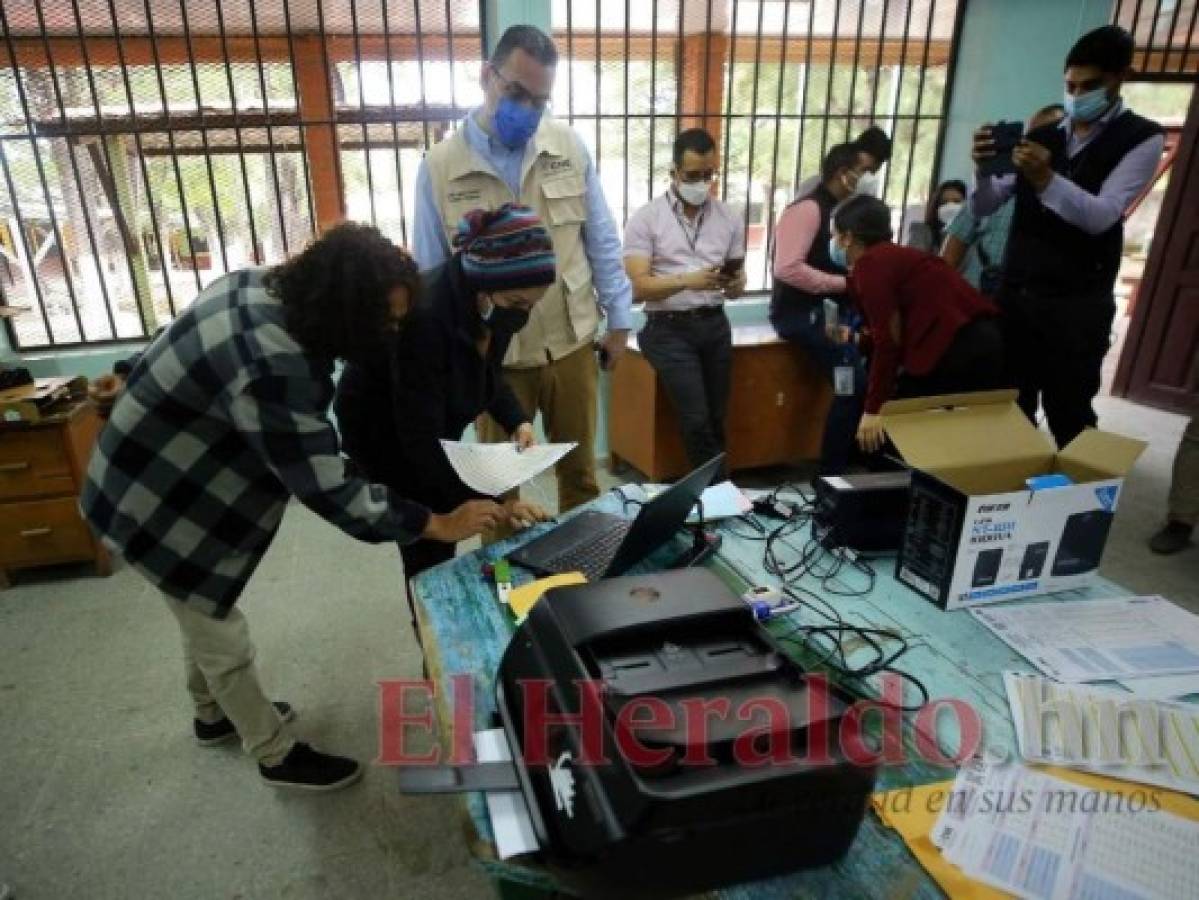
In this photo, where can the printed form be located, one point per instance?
(1098, 640)
(1041, 837)
(494, 469)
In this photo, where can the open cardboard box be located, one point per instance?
(975, 532)
(33, 402)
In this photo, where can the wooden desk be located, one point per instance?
(777, 406)
(464, 629)
(42, 466)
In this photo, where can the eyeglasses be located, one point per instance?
(519, 93)
(697, 177)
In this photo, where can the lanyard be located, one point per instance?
(692, 239)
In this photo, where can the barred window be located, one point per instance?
(147, 147)
(776, 82)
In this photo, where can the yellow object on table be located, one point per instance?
(521, 599)
(914, 811)
(914, 820)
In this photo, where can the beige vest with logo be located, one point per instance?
(552, 183)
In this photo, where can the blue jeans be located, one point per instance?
(803, 325)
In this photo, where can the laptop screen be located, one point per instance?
(659, 519)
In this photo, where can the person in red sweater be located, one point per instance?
(932, 332)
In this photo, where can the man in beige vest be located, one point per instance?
(508, 151)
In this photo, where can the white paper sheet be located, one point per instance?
(510, 820)
(495, 468)
(1105, 730)
(1042, 837)
(1163, 687)
(721, 501)
(1098, 640)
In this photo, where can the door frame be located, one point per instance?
(1133, 378)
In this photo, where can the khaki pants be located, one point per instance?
(1184, 486)
(221, 677)
(565, 392)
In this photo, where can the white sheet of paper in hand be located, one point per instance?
(510, 822)
(495, 468)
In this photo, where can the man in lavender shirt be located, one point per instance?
(684, 252)
(1072, 184)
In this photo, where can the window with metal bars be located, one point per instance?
(147, 147)
(776, 82)
(1167, 37)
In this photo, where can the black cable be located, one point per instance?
(818, 558)
(627, 501)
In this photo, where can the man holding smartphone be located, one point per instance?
(1072, 184)
(685, 255)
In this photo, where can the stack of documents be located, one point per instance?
(1098, 640)
(511, 825)
(1036, 835)
(1106, 731)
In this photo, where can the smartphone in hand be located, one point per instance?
(1004, 138)
(732, 267)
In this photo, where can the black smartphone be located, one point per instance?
(732, 267)
(1004, 138)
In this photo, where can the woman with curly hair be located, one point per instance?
(222, 420)
(444, 369)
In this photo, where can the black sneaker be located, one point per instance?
(209, 734)
(1173, 537)
(311, 770)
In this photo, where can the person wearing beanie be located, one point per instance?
(445, 368)
(513, 148)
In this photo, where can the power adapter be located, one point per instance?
(774, 509)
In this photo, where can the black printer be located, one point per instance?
(670, 644)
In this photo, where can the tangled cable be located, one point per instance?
(777, 521)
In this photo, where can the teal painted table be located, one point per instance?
(464, 629)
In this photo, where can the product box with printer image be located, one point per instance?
(995, 512)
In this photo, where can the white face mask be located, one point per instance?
(947, 211)
(693, 194)
(867, 184)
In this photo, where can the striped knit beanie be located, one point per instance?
(505, 248)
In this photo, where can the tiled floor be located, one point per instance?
(104, 794)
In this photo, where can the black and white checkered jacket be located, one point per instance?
(222, 419)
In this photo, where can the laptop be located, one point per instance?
(601, 545)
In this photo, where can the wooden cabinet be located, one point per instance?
(41, 472)
(777, 407)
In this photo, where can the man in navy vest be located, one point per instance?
(1073, 183)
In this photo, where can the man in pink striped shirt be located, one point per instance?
(804, 276)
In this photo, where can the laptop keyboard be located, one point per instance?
(591, 557)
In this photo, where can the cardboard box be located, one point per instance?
(975, 533)
(32, 402)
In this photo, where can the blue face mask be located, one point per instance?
(515, 122)
(1087, 107)
(837, 254)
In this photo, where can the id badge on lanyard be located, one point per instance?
(843, 381)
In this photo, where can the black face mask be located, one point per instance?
(507, 319)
